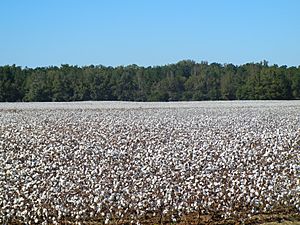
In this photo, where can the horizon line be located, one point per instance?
(266, 62)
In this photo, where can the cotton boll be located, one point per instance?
(122, 163)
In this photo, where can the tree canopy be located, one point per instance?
(185, 80)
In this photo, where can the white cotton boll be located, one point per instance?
(93, 157)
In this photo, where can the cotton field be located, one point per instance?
(131, 163)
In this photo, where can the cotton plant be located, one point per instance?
(135, 161)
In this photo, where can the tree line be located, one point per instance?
(185, 80)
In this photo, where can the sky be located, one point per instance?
(148, 32)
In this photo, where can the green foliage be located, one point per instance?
(12, 80)
(185, 80)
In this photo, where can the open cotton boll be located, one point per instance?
(126, 163)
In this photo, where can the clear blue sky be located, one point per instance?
(148, 32)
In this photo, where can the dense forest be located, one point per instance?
(185, 80)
